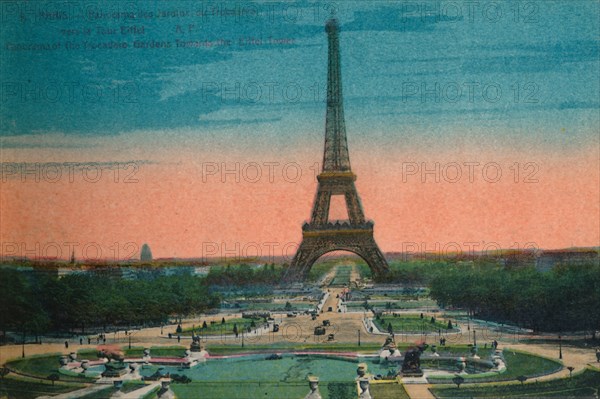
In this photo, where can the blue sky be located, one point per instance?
(529, 65)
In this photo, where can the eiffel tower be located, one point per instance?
(321, 236)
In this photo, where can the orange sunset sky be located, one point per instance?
(110, 141)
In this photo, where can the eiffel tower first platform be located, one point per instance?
(321, 236)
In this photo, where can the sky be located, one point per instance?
(198, 127)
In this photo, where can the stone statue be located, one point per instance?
(389, 351)
(313, 383)
(411, 366)
(196, 346)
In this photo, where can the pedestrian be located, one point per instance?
(80, 341)
(104, 340)
(179, 338)
(89, 340)
(598, 355)
(66, 344)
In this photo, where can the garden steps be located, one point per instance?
(418, 391)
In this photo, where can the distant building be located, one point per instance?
(146, 254)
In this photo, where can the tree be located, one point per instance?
(390, 328)
(223, 320)
(449, 325)
(521, 379)
(53, 377)
(288, 306)
(432, 320)
(204, 326)
(235, 329)
(458, 380)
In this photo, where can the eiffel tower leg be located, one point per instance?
(374, 258)
(305, 257)
(355, 213)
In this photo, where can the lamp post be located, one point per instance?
(474, 338)
(23, 346)
(359, 337)
(161, 328)
(560, 347)
(129, 341)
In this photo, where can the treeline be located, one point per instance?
(567, 298)
(35, 304)
(244, 275)
(411, 273)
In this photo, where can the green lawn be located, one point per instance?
(43, 365)
(158, 351)
(520, 363)
(409, 323)
(517, 364)
(26, 389)
(319, 270)
(388, 391)
(128, 386)
(225, 329)
(582, 385)
(342, 276)
(396, 304)
(253, 390)
(269, 307)
(87, 354)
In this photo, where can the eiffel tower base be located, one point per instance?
(316, 243)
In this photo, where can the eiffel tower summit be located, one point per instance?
(321, 235)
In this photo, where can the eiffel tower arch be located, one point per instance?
(321, 235)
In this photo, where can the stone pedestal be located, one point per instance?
(461, 365)
(363, 383)
(165, 391)
(115, 369)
